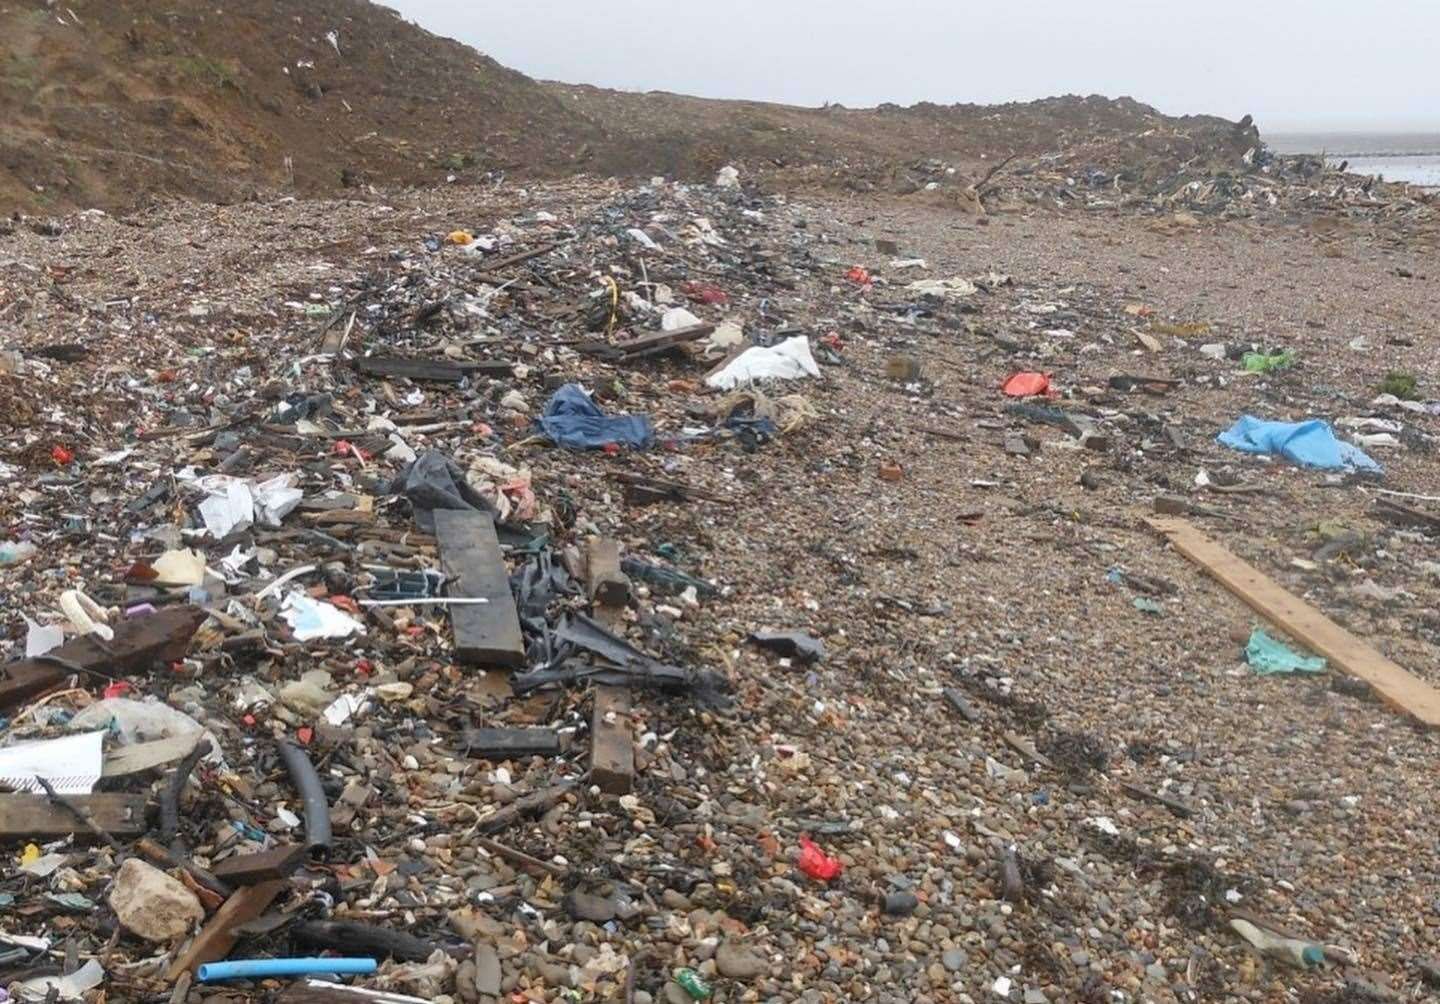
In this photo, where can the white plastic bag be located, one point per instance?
(790, 360)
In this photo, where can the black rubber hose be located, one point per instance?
(307, 782)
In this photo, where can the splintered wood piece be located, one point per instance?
(265, 866)
(612, 746)
(218, 935)
(1304, 623)
(485, 633)
(138, 643)
(609, 587)
(126, 760)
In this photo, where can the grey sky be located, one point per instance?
(1293, 64)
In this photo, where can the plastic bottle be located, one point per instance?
(691, 982)
(12, 553)
(1298, 953)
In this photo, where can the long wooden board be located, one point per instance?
(434, 370)
(491, 742)
(485, 633)
(32, 817)
(1395, 685)
(126, 760)
(138, 642)
(218, 935)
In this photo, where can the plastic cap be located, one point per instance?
(1313, 955)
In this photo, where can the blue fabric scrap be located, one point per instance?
(1309, 444)
(574, 421)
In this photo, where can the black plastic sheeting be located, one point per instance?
(434, 481)
(793, 644)
(567, 647)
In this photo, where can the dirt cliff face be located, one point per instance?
(105, 104)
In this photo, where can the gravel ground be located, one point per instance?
(1305, 801)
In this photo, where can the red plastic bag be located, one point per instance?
(704, 292)
(1026, 384)
(859, 275)
(816, 863)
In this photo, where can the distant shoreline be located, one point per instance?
(1356, 144)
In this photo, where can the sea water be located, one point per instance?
(1406, 157)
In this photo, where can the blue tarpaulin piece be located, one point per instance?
(1310, 444)
(1268, 656)
(574, 421)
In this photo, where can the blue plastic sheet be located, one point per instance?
(1310, 444)
(1268, 656)
(573, 420)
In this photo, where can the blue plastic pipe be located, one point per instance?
(251, 969)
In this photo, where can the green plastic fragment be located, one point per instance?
(1147, 606)
(1260, 362)
(1267, 656)
(691, 982)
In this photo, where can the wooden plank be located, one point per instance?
(219, 936)
(518, 257)
(1397, 687)
(264, 866)
(609, 588)
(612, 747)
(485, 633)
(435, 371)
(27, 816)
(19, 683)
(125, 760)
(652, 343)
(511, 742)
(524, 807)
(163, 856)
(138, 643)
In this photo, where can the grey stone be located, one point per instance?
(736, 961)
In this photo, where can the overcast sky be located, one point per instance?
(1293, 64)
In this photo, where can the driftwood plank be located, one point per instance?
(612, 746)
(27, 816)
(608, 586)
(410, 369)
(264, 866)
(511, 742)
(485, 633)
(218, 935)
(125, 760)
(137, 644)
(1397, 687)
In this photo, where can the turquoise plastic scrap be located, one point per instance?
(1309, 444)
(1267, 657)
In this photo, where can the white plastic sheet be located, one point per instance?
(790, 360)
(72, 764)
(310, 619)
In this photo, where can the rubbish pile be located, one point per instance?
(510, 595)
